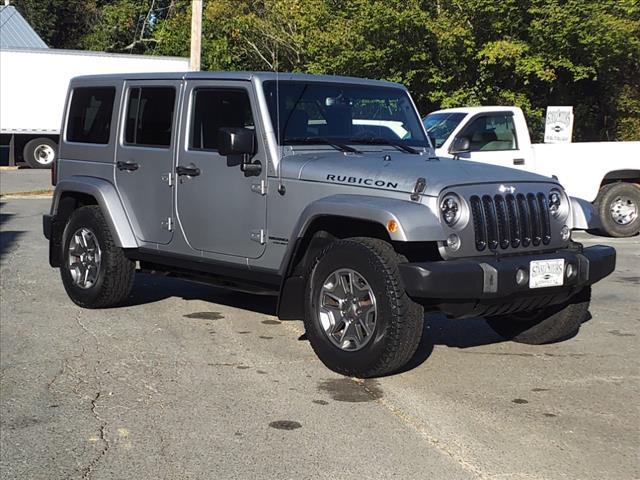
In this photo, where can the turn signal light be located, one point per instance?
(392, 226)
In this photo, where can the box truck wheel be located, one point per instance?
(40, 152)
(618, 205)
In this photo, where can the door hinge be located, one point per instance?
(259, 236)
(167, 224)
(167, 178)
(260, 188)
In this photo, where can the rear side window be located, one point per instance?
(150, 116)
(214, 109)
(90, 115)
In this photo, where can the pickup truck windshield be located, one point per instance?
(343, 113)
(440, 125)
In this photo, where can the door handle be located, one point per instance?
(191, 170)
(128, 166)
(518, 161)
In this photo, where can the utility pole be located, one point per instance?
(196, 34)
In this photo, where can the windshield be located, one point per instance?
(314, 113)
(440, 125)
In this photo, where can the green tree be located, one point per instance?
(60, 23)
(528, 53)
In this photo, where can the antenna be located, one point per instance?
(281, 187)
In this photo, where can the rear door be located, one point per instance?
(144, 157)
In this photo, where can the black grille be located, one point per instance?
(504, 221)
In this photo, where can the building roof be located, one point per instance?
(15, 31)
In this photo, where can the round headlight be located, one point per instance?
(555, 203)
(450, 209)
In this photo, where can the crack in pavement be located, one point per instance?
(65, 366)
(102, 436)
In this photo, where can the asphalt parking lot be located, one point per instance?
(189, 381)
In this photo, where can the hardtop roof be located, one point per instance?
(246, 76)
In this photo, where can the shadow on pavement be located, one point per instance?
(437, 330)
(8, 238)
(153, 288)
(457, 333)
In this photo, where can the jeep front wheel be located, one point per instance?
(548, 325)
(358, 317)
(94, 270)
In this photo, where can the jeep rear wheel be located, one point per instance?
(95, 272)
(548, 325)
(358, 317)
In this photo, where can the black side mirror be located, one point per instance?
(236, 141)
(460, 145)
(240, 142)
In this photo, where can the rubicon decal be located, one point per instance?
(361, 181)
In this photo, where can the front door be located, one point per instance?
(219, 208)
(144, 158)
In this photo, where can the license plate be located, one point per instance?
(546, 273)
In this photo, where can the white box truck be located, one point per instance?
(33, 87)
(606, 174)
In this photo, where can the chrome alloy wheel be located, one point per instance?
(44, 154)
(84, 258)
(623, 210)
(347, 309)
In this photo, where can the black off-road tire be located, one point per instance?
(399, 321)
(29, 152)
(607, 195)
(549, 325)
(116, 273)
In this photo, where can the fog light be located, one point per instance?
(453, 242)
(565, 233)
(522, 277)
(570, 271)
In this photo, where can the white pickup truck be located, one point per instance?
(606, 174)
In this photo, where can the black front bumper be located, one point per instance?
(487, 285)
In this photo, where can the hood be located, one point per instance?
(398, 171)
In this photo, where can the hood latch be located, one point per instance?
(418, 188)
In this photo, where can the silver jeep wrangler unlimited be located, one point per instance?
(322, 190)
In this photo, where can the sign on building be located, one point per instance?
(558, 125)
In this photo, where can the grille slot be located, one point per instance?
(514, 221)
(479, 223)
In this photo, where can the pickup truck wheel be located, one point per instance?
(95, 272)
(40, 152)
(358, 317)
(548, 325)
(618, 205)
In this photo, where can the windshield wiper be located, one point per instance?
(388, 141)
(333, 143)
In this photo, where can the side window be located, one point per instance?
(490, 133)
(149, 116)
(214, 109)
(89, 119)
